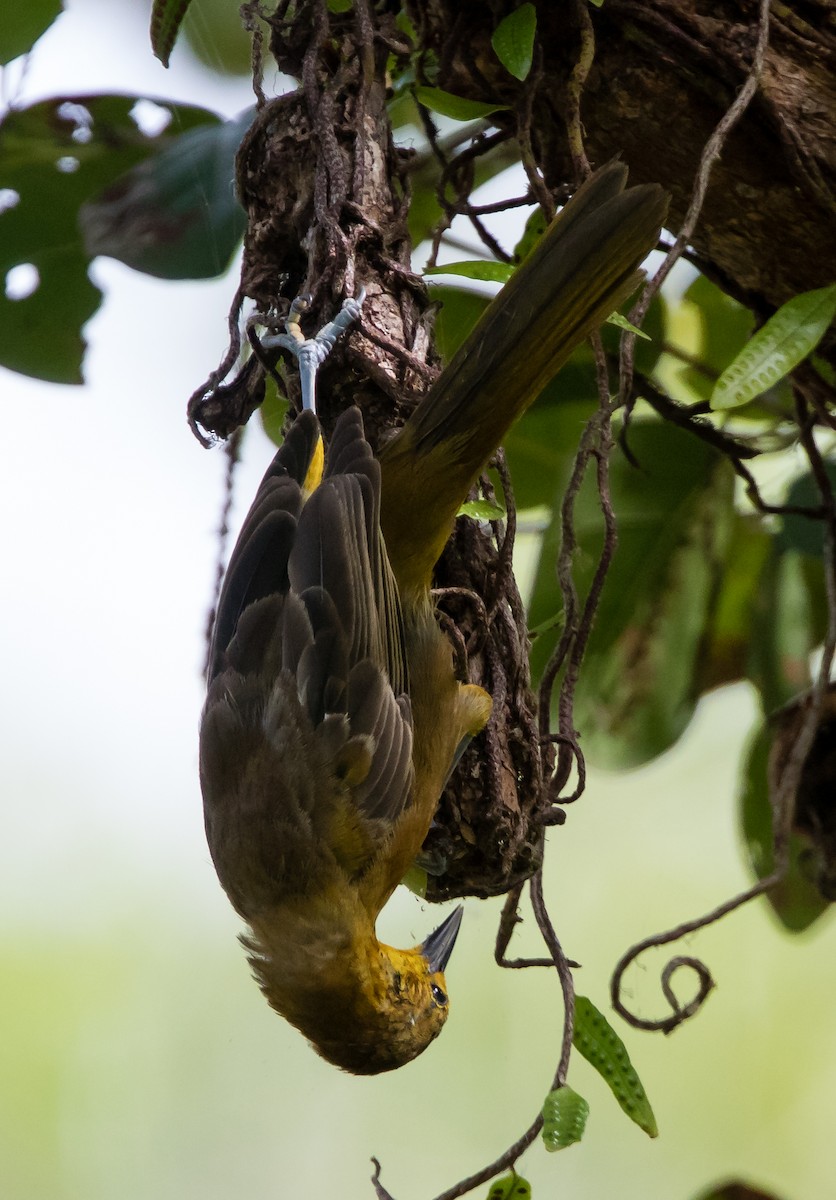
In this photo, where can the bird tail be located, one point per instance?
(583, 268)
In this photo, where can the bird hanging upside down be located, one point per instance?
(334, 715)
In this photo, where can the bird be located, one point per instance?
(333, 715)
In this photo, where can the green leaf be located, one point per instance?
(216, 36)
(41, 332)
(175, 216)
(785, 630)
(166, 19)
(56, 156)
(482, 510)
(622, 323)
(340, 6)
(494, 272)
(510, 1187)
(541, 447)
(564, 1118)
(460, 310)
(726, 656)
(796, 901)
(557, 621)
(805, 533)
(600, 1045)
(640, 678)
(785, 340)
(513, 40)
(722, 326)
(23, 24)
(535, 227)
(455, 107)
(272, 411)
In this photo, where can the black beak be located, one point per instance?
(439, 945)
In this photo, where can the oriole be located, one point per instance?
(333, 715)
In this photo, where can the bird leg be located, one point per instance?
(312, 352)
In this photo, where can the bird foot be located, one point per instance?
(312, 352)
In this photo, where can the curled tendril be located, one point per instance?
(681, 1012)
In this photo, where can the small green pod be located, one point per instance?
(600, 1045)
(510, 1187)
(564, 1118)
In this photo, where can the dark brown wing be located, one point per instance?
(306, 738)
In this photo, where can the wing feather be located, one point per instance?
(306, 738)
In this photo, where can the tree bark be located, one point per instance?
(663, 74)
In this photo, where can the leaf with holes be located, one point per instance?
(564, 1118)
(455, 107)
(513, 40)
(166, 19)
(603, 1049)
(175, 215)
(460, 310)
(57, 155)
(785, 340)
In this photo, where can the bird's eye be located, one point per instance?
(439, 995)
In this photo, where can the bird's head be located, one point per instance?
(399, 1007)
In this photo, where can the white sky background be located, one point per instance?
(110, 510)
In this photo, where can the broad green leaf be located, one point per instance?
(785, 340)
(622, 323)
(460, 310)
(639, 681)
(166, 19)
(805, 533)
(795, 901)
(785, 630)
(41, 332)
(22, 24)
(175, 215)
(721, 326)
(482, 510)
(541, 446)
(513, 40)
(272, 411)
(57, 155)
(455, 107)
(564, 1118)
(340, 6)
(535, 227)
(216, 35)
(600, 1045)
(493, 272)
(726, 656)
(510, 1187)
